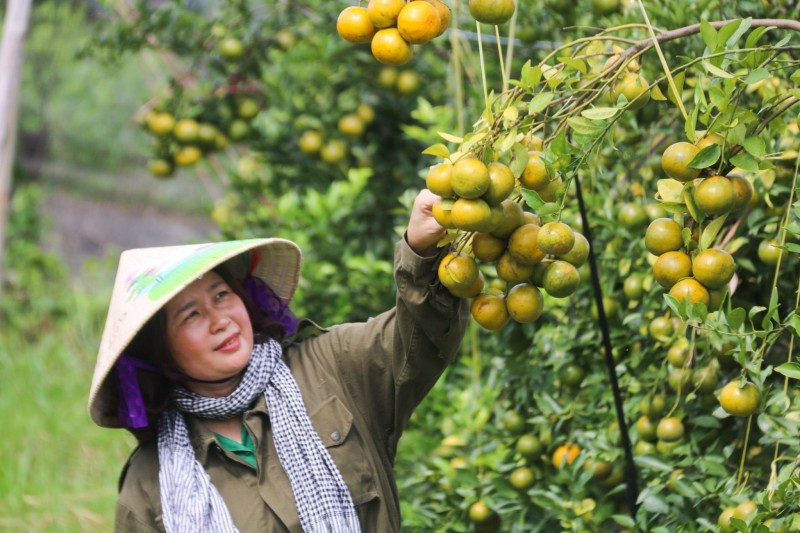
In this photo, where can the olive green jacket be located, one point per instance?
(360, 383)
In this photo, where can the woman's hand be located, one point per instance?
(423, 231)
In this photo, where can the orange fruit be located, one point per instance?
(535, 175)
(633, 287)
(501, 183)
(383, 13)
(354, 25)
(739, 400)
(724, 520)
(679, 379)
(351, 124)
(671, 267)
(487, 247)
(491, 11)
(469, 178)
(678, 353)
(675, 161)
(188, 155)
(521, 478)
(524, 303)
(523, 246)
(531, 218)
(513, 217)
(387, 77)
(186, 130)
(471, 215)
(438, 179)
(715, 195)
(646, 429)
(690, 289)
(561, 279)
(473, 290)
(713, 268)
(579, 253)
(247, 108)
(529, 447)
(566, 453)
(556, 238)
(661, 327)
(670, 429)
(160, 124)
(444, 15)
(207, 135)
(508, 269)
(770, 252)
(161, 168)
(705, 379)
(632, 216)
(480, 513)
(389, 47)
(489, 311)
(655, 211)
(742, 191)
(654, 407)
(238, 129)
(458, 271)
(442, 211)
(407, 82)
(663, 235)
(365, 112)
(230, 48)
(745, 510)
(333, 151)
(418, 22)
(644, 447)
(635, 89)
(711, 138)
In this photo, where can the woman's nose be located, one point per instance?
(219, 320)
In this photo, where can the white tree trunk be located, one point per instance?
(15, 28)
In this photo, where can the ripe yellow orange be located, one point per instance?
(579, 253)
(438, 179)
(501, 183)
(724, 520)
(187, 156)
(442, 211)
(389, 47)
(387, 77)
(407, 82)
(632, 216)
(713, 268)
(487, 247)
(473, 290)
(511, 271)
(513, 217)
(383, 13)
(365, 112)
(675, 161)
(354, 25)
(524, 303)
(635, 89)
(523, 245)
(471, 215)
(469, 178)
(351, 124)
(556, 238)
(670, 267)
(458, 271)
(489, 311)
(418, 22)
(745, 510)
(565, 454)
(491, 11)
(186, 130)
(161, 168)
(740, 400)
(690, 289)
(535, 175)
(715, 195)
(160, 124)
(444, 15)
(663, 235)
(333, 151)
(561, 279)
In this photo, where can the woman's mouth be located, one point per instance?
(231, 344)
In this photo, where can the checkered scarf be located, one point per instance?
(189, 500)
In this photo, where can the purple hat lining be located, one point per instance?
(131, 411)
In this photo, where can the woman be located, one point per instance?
(249, 420)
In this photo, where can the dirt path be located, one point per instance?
(84, 228)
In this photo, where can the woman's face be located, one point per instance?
(209, 333)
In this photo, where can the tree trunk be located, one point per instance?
(15, 28)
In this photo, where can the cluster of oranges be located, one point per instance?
(182, 142)
(476, 200)
(334, 150)
(392, 27)
(703, 275)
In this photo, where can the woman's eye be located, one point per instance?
(190, 315)
(222, 294)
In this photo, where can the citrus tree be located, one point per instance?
(619, 187)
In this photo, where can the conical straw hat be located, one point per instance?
(147, 278)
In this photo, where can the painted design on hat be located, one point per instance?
(156, 282)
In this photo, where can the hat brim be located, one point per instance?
(148, 278)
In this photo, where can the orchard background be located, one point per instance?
(602, 401)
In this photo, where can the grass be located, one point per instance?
(60, 470)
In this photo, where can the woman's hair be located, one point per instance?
(151, 345)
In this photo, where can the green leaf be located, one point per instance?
(549, 208)
(710, 232)
(757, 75)
(716, 71)
(539, 102)
(624, 520)
(795, 77)
(688, 199)
(793, 321)
(746, 161)
(706, 157)
(709, 35)
(730, 32)
(600, 113)
(679, 79)
(451, 138)
(532, 198)
(520, 160)
(439, 150)
(755, 146)
(754, 36)
(689, 126)
(670, 190)
(584, 126)
(652, 463)
(577, 64)
(736, 318)
(790, 370)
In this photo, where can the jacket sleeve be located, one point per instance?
(390, 363)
